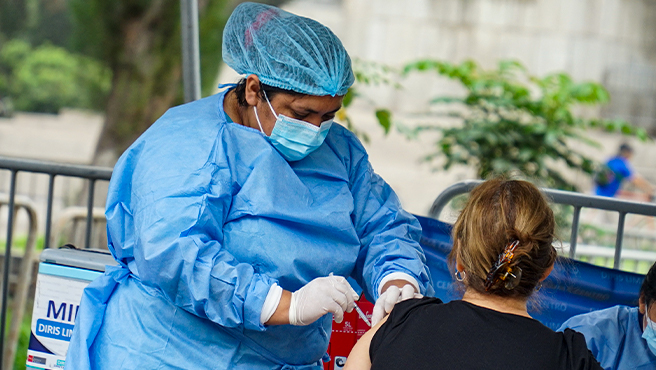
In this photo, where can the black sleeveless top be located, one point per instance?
(428, 334)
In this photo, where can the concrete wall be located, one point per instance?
(608, 41)
(586, 38)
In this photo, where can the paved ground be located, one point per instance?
(69, 137)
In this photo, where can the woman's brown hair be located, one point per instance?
(498, 213)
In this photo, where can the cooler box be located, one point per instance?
(63, 275)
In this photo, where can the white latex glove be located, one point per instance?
(319, 297)
(389, 298)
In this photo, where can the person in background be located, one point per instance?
(610, 178)
(235, 219)
(502, 251)
(622, 337)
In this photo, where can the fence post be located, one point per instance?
(23, 286)
(7, 264)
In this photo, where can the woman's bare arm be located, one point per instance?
(359, 359)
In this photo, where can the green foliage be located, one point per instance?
(103, 26)
(210, 30)
(97, 26)
(515, 122)
(35, 21)
(19, 243)
(24, 337)
(368, 74)
(13, 53)
(48, 78)
(13, 17)
(385, 119)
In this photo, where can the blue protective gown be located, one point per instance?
(204, 215)
(614, 336)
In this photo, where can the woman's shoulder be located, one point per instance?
(419, 303)
(414, 307)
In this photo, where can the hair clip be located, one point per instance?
(501, 271)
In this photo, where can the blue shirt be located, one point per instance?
(614, 336)
(204, 215)
(622, 170)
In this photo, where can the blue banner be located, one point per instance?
(54, 330)
(572, 288)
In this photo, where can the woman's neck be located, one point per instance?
(515, 306)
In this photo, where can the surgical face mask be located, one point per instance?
(649, 334)
(294, 138)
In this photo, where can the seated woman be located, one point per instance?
(502, 250)
(622, 337)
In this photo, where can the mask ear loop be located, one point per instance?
(270, 106)
(258, 120)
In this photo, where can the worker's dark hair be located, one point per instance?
(648, 288)
(626, 148)
(271, 91)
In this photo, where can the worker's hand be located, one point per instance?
(319, 297)
(389, 298)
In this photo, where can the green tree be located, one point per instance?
(47, 78)
(515, 122)
(140, 42)
(36, 21)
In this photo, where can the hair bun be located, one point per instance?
(500, 213)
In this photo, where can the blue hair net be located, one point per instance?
(286, 51)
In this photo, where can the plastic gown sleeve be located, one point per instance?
(389, 235)
(176, 208)
(614, 336)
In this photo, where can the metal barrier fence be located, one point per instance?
(577, 200)
(93, 174)
(15, 166)
(24, 275)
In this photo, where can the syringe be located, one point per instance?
(362, 315)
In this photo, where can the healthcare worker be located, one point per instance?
(236, 218)
(622, 337)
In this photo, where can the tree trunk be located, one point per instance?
(146, 61)
(146, 77)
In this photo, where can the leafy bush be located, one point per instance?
(48, 78)
(11, 55)
(515, 122)
(368, 74)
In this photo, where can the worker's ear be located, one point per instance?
(252, 93)
(641, 305)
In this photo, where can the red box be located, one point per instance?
(345, 334)
(361, 327)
